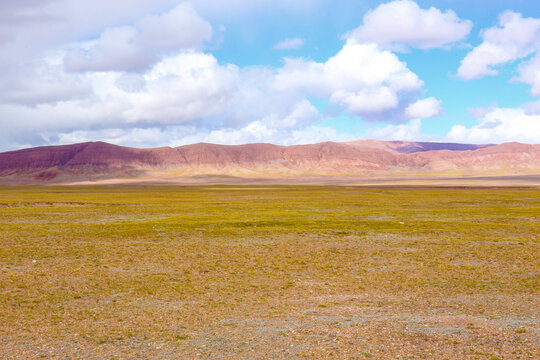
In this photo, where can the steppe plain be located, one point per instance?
(269, 272)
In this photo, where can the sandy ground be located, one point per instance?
(519, 180)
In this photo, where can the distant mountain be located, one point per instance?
(407, 147)
(99, 161)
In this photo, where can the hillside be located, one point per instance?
(99, 161)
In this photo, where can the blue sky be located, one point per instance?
(168, 72)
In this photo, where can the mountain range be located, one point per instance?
(99, 162)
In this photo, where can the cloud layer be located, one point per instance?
(500, 125)
(131, 48)
(143, 73)
(192, 91)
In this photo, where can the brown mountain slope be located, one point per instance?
(97, 161)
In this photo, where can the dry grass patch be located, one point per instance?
(272, 272)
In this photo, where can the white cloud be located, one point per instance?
(424, 109)
(178, 94)
(252, 133)
(184, 135)
(137, 137)
(180, 28)
(192, 90)
(480, 112)
(130, 48)
(364, 65)
(189, 90)
(411, 131)
(131, 82)
(366, 100)
(302, 114)
(361, 78)
(180, 89)
(532, 108)
(499, 125)
(515, 38)
(290, 44)
(529, 73)
(400, 24)
(314, 134)
(116, 49)
(44, 84)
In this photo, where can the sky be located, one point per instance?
(169, 73)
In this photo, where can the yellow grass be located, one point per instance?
(269, 272)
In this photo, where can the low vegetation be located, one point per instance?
(275, 272)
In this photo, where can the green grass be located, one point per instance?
(226, 271)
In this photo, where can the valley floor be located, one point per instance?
(269, 272)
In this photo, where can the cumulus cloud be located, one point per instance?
(290, 44)
(532, 108)
(114, 50)
(515, 38)
(366, 100)
(259, 132)
(424, 109)
(131, 82)
(480, 112)
(184, 135)
(361, 78)
(529, 73)
(179, 89)
(21, 13)
(192, 90)
(44, 82)
(188, 90)
(150, 84)
(499, 125)
(411, 131)
(401, 24)
(135, 48)
(137, 137)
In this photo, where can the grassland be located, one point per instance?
(277, 272)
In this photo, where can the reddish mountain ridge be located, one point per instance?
(98, 161)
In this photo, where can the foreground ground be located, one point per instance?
(238, 272)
